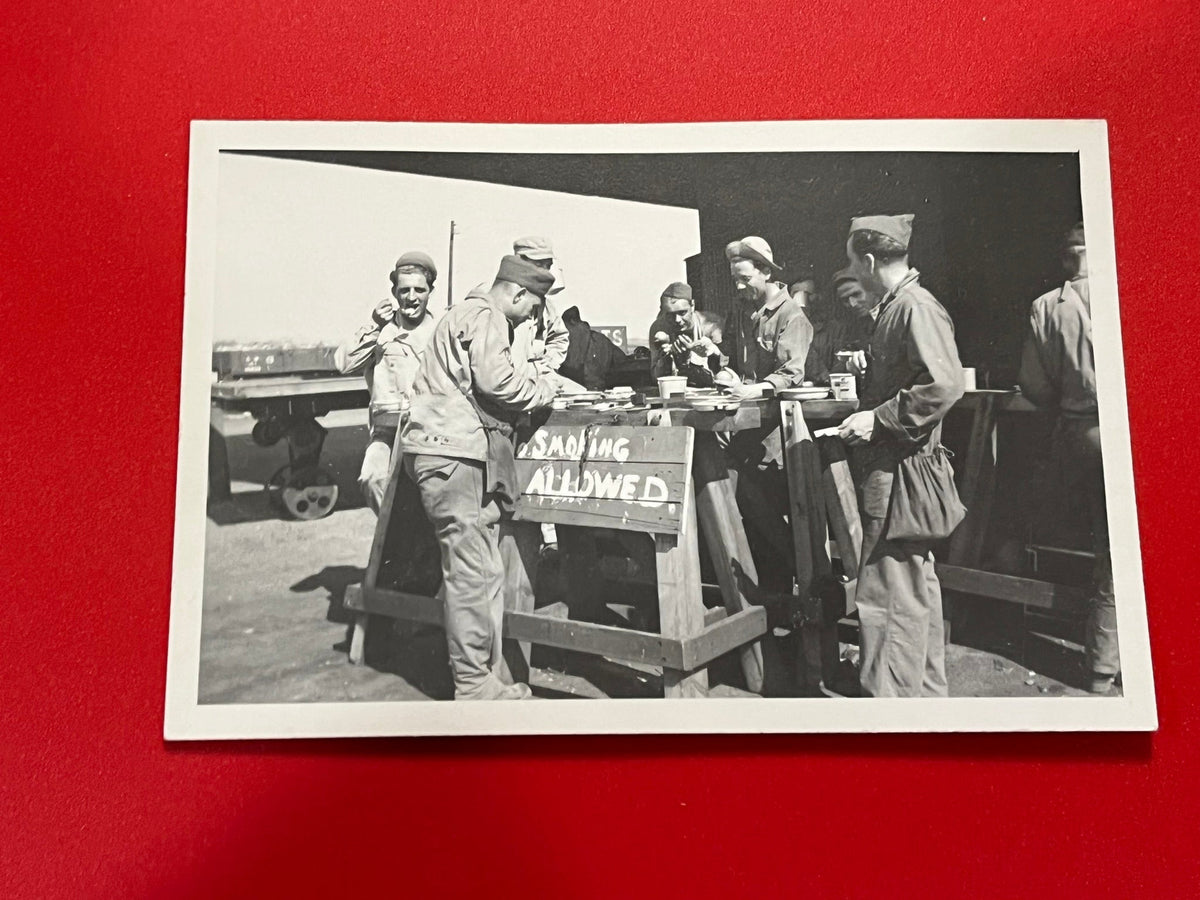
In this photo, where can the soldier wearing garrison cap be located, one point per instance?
(387, 350)
(1058, 372)
(686, 341)
(912, 378)
(458, 450)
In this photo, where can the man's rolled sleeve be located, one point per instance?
(353, 356)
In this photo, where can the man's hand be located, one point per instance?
(385, 311)
(705, 347)
(858, 428)
(746, 391)
(856, 362)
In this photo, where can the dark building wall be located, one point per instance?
(985, 237)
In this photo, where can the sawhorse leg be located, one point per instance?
(717, 512)
(680, 606)
(807, 508)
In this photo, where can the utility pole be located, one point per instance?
(450, 273)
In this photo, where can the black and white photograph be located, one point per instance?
(728, 427)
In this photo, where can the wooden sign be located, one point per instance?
(606, 476)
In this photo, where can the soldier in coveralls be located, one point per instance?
(912, 377)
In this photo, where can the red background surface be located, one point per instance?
(96, 100)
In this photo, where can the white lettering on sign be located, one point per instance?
(544, 445)
(568, 484)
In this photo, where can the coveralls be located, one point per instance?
(770, 344)
(446, 454)
(388, 356)
(913, 378)
(1058, 371)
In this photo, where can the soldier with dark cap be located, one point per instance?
(387, 350)
(686, 341)
(912, 378)
(458, 450)
(1058, 372)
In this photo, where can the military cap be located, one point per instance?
(417, 258)
(533, 247)
(753, 248)
(677, 290)
(520, 271)
(898, 228)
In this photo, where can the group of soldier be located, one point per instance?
(447, 393)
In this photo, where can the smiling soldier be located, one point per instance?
(387, 351)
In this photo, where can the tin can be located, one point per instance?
(843, 386)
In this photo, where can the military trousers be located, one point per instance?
(901, 637)
(487, 564)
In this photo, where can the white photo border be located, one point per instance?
(187, 719)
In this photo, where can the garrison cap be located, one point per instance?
(898, 228)
(677, 290)
(520, 271)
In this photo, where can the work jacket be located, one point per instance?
(542, 340)
(1058, 366)
(470, 351)
(772, 342)
(913, 379)
(388, 356)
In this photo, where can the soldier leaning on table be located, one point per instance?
(387, 350)
(458, 450)
(771, 336)
(1058, 372)
(912, 378)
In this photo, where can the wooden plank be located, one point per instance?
(281, 386)
(383, 521)
(827, 410)
(397, 604)
(603, 443)
(605, 477)
(841, 503)
(358, 639)
(1015, 589)
(680, 603)
(716, 509)
(809, 529)
(715, 614)
(598, 640)
(723, 636)
(562, 683)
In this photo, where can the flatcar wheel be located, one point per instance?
(309, 493)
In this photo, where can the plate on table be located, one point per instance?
(804, 393)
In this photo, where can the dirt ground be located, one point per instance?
(275, 630)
